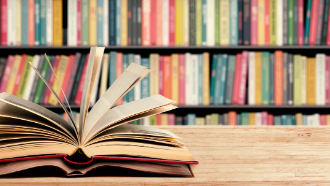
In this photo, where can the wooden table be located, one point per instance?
(241, 155)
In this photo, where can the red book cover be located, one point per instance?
(167, 78)
(254, 22)
(264, 118)
(323, 119)
(77, 99)
(313, 24)
(160, 75)
(6, 73)
(146, 11)
(78, 22)
(31, 26)
(171, 119)
(19, 75)
(278, 78)
(243, 78)
(153, 22)
(119, 71)
(182, 79)
(237, 79)
(266, 22)
(172, 23)
(300, 22)
(232, 118)
(159, 119)
(67, 77)
(270, 119)
(326, 80)
(51, 80)
(328, 29)
(159, 22)
(4, 24)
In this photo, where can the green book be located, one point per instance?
(198, 22)
(43, 22)
(214, 119)
(153, 120)
(297, 79)
(41, 84)
(290, 22)
(84, 22)
(245, 118)
(136, 122)
(265, 64)
(277, 120)
(24, 77)
(217, 23)
(230, 79)
(272, 21)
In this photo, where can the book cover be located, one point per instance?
(13, 74)
(285, 22)
(174, 79)
(112, 22)
(206, 78)
(24, 77)
(31, 77)
(179, 16)
(252, 118)
(236, 80)
(165, 21)
(325, 22)
(261, 22)
(313, 22)
(213, 78)
(210, 41)
(232, 118)
(161, 75)
(271, 79)
(186, 22)
(204, 23)
(182, 77)
(36, 78)
(145, 82)
(57, 23)
(230, 80)
(19, 73)
(92, 22)
(278, 70)
(154, 67)
(31, 21)
(320, 80)
(308, 21)
(60, 73)
(171, 22)
(199, 10)
(243, 78)
(72, 23)
(85, 22)
(49, 23)
(252, 85)
(43, 28)
(301, 22)
(265, 67)
(73, 74)
(77, 78)
(146, 17)
(254, 22)
(246, 22)
(285, 77)
(167, 77)
(153, 22)
(297, 67)
(47, 78)
(258, 78)
(290, 79)
(303, 81)
(159, 23)
(217, 22)
(51, 80)
(279, 23)
(11, 23)
(319, 24)
(24, 24)
(118, 22)
(240, 22)
(200, 79)
(224, 23)
(4, 22)
(233, 6)
(290, 22)
(224, 66)
(130, 30)
(273, 22)
(18, 30)
(40, 83)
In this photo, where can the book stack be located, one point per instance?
(165, 22)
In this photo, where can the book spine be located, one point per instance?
(73, 74)
(77, 99)
(43, 28)
(194, 80)
(146, 17)
(158, 24)
(204, 22)
(134, 23)
(167, 70)
(72, 23)
(124, 21)
(24, 24)
(77, 79)
(300, 22)
(130, 22)
(13, 74)
(6, 73)
(230, 79)
(78, 22)
(271, 79)
(18, 20)
(297, 79)
(112, 67)
(19, 74)
(92, 22)
(278, 70)
(328, 31)
(199, 22)
(213, 78)
(105, 23)
(175, 95)
(161, 76)
(200, 79)
(325, 23)
(254, 22)
(51, 80)
(35, 79)
(154, 67)
(186, 22)
(2, 66)
(11, 23)
(224, 23)
(285, 22)
(252, 118)
(37, 22)
(172, 22)
(84, 22)
(165, 26)
(223, 78)
(243, 77)
(112, 22)
(261, 23)
(30, 78)
(270, 119)
(327, 60)
(24, 78)
(145, 82)
(308, 22)
(236, 81)
(137, 88)
(210, 22)
(311, 86)
(258, 118)
(206, 78)
(4, 22)
(272, 22)
(192, 22)
(264, 118)
(100, 23)
(153, 22)
(265, 77)
(258, 78)
(267, 22)
(313, 24)
(233, 22)
(320, 82)
(279, 23)
(40, 83)
(60, 73)
(295, 22)
(240, 22)
(232, 118)
(246, 22)
(49, 23)
(119, 71)
(118, 22)
(252, 78)
(319, 22)
(188, 78)
(31, 23)
(217, 22)
(285, 78)
(290, 22)
(303, 81)
(57, 23)
(290, 77)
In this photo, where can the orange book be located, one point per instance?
(179, 30)
(252, 118)
(164, 118)
(119, 71)
(206, 78)
(232, 118)
(311, 81)
(146, 12)
(258, 82)
(278, 77)
(159, 23)
(31, 21)
(57, 23)
(92, 23)
(60, 73)
(167, 91)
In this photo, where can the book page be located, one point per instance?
(126, 81)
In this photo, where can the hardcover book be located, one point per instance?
(100, 138)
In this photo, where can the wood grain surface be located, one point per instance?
(229, 155)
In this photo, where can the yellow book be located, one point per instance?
(206, 78)
(261, 22)
(123, 18)
(13, 74)
(297, 79)
(154, 79)
(299, 119)
(92, 23)
(258, 80)
(311, 81)
(164, 119)
(18, 22)
(57, 23)
(327, 119)
(200, 121)
(198, 24)
(104, 77)
(224, 22)
(179, 17)
(252, 118)
(175, 78)
(60, 73)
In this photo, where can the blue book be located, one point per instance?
(230, 79)
(218, 80)
(112, 67)
(233, 9)
(223, 78)
(99, 29)
(118, 21)
(131, 92)
(43, 22)
(238, 119)
(293, 120)
(304, 119)
(284, 120)
(37, 22)
(125, 65)
(213, 78)
(112, 22)
(325, 22)
(77, 79)
(308, 21)
(145, 81)
(191, 119)
(289, 119)
(277, 120)
(200, 79)
(265, 66)
(25, 22)
(204, 22)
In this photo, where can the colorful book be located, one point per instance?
(303, 81)
(320, 82)
(24, 77)
(84, 22)
(217, 22)
(252, 83)
(165, 21)
(230, 80)
(206, 78)
(146, 17)
(271, 79)
(49, 23)
(60, 73)
(272, 22)
(325, 22)
(171, 22)
(285, 22)
(19, 73)
(175, 73)
(232, 116)
(179, 16)
(145, 82)
(313, 22)
(290, 81)
(300, 22)
(246, 22)
(36, 78)
(100, 23)
(297, 66)
(167, 76)
(254, 22)
(6, 74)
(290, 22)
(154, 67)
(279, 23)
(57, 23)
(200, 79)
(72, 23)
(233, 8)
(31, 77)
(77, 63)
(210, 22)
(258, 78)
(153, 22)
(319, 24)
(265, 66)
(159, 23)
(261, 22)
(42, 27)
(51, 79)
(199, 21)
(285, 77)
(278, 75)
(40, 83)
(92, 22)
(224, 22)
(224, 66)
(243, 78)
(18, 30)
(78, 95)
(112, 22)
(13, 74)
(4, 22)
(204, 23)
(236, 79)
(308, 21)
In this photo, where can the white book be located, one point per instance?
(137, 88)
(316, 119)
(72, 23)
(251, 80)
(104, 76)
(204, 21)
(97, 81)
(11, 23)
(30, 80)
(49, 22)
(210, 4)
(303, 80)
(105, 23)
(279, 23)
(19, 22)
(165, 12)
(310, 119)
(224, 22)
(320, 79)
(146, 121)
(186, 22)
(258, 118)
(194, 77)
(188, 85)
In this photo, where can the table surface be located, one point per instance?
(229, 155)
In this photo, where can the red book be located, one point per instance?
(323, 119)
(237, 79)
(264, 118)
(232, 118)
(326, 80)
(167, 78)
(153, 22)
(77, 99)
(159, 119)
(270, 119)
(313, 24)
(160, 75)
(51, 80)
(171, 23)
(243, 78)
(278, 77)
(119, 71)
(328, 30)
(6, 73)
(19, 75)
(159, 22)
(254, 22)
(78, 22)
(67, 77)
(182, 79)
(266, 22)
(4, 24)
(300, 22)
(146, 11)
(171, 119)
(31, 25)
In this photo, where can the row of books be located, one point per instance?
(165, 22)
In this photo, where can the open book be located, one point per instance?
(33, 136)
